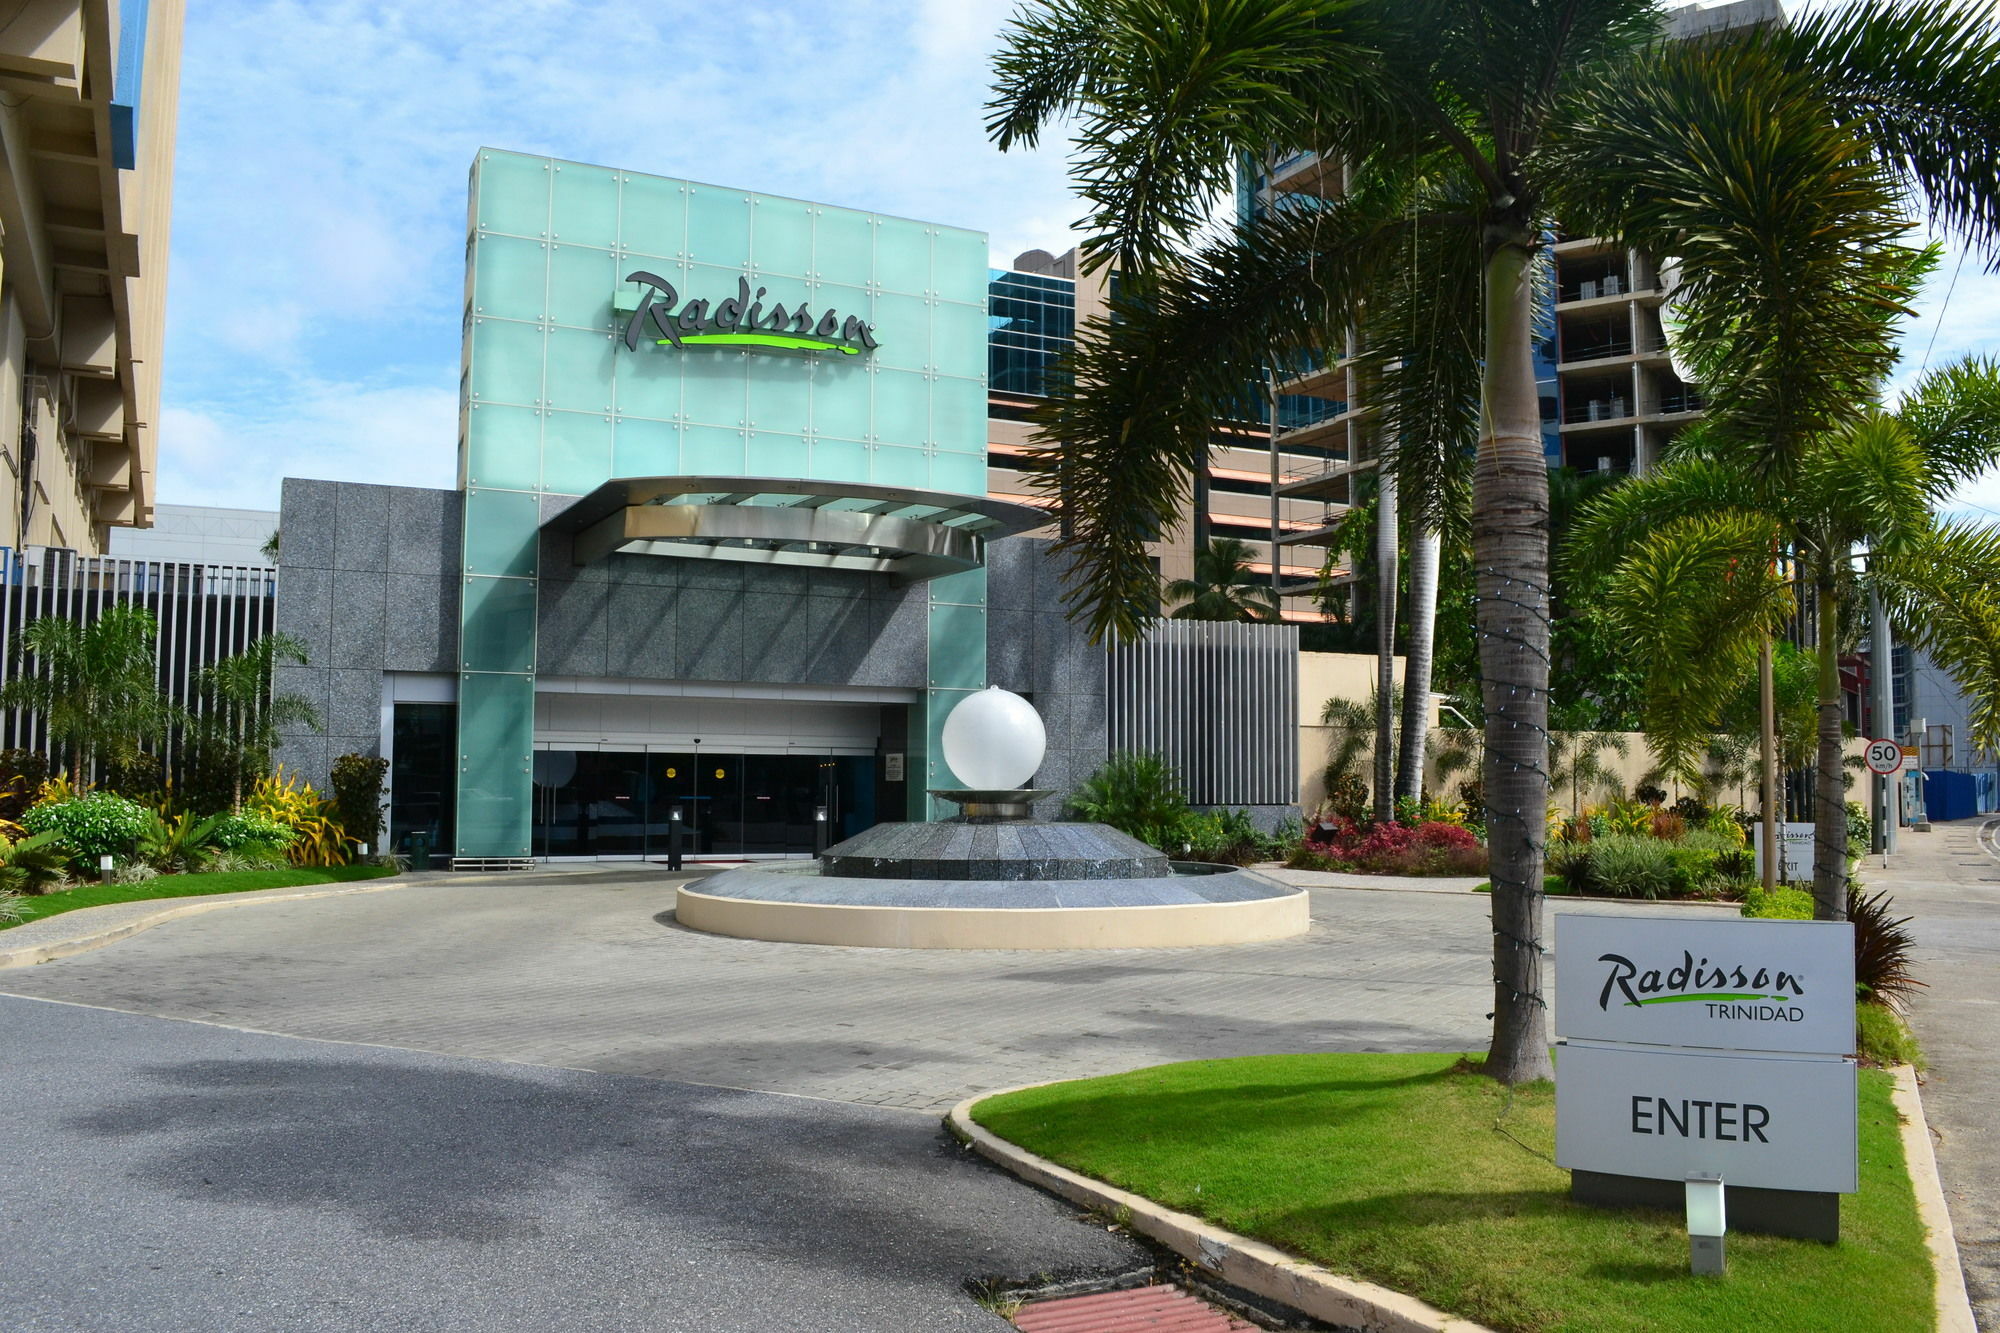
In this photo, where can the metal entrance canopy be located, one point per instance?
(911, 534)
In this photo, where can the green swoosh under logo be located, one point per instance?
(766, 340)
(1710, 995)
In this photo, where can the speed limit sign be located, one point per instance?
(1884, 757)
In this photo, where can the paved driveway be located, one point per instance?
(168, 1177)
(188, 1176)
(579, 970)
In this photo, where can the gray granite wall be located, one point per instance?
(1033, 649)
(369, 580)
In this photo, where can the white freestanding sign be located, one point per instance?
(1795, 849)
(1743, 985)
(1704, 1046)
(1772, 1122)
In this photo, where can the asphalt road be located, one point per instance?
(169, 1175)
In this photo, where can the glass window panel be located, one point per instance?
(964, 474)
(958, 265)
(843, 299)
(902, 408)
(709, 451)
(839, 460)
(576, 451)
(958, 416)
(900, 467)
(501, 528)
(652, 217)
(903, 328)
(496, 719)
(781, 237)
(506, 361)
(718, 229)
(841, 402)
(424, 779)
(966, 589)
(581, 285)
(843, 246)
(499, 625)
(578, 370)
(514, 194)
(958, 340)
(780, 387)
(902, 255)
(584, 209)
(712, 385)
(641, 448)
(648, 381)
(778, 455)
(503, 446)
(509, 277)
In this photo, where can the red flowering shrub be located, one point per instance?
(1391, 849)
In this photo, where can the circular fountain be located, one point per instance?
(993, 877)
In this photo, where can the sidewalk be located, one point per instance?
(1948, 882)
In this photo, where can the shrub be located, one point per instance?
(22, 773)
(181, 845)
(1693, 811)
(318, 838)
(1622, 866)
(1346, 795)
(357, 794)
(247, 827)
(1860, 831)
(1882, 949)
(34, 864)
(1287, 838)
(134, 872)
(1669, 825)
(1224, 837)
(1780, 904)
(1648, 794)
(10, 907)
(90, 826)
(137, 777)
(1138, 794)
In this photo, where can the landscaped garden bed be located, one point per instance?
(24, 910)
(1419, 1173)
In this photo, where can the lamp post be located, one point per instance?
(1706, 1223)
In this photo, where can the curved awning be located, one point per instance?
(910, 533)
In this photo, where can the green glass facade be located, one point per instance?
(554, 403)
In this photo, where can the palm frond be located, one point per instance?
(1953, 415)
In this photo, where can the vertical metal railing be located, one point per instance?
(1219, 700)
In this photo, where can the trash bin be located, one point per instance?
(418, 845)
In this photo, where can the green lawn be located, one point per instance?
(1411, 1171)
(188, 886)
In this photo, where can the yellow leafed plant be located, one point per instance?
(321, 840)
(58, 789)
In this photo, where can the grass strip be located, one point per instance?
(1419, 1173)
(187, 886)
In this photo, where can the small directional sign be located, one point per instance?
(1884, 757)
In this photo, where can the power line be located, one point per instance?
(1939, 326)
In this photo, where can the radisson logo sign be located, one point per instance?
(742, 320)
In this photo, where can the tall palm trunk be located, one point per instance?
(1510, 553)
(1830, 781)
(1425, 552)
(1386, 572)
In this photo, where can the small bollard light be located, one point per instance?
(1706, 1223)
(362, 851)
(819, 829)
(674, 827)
(104, 866)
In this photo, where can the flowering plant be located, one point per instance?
(93, 825)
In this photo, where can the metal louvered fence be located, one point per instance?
(204, 612)
(1218, 699)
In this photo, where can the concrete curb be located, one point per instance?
(1252, 1265)
(87, 938)
(1954, 1306)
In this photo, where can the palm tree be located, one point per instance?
(1528, 113)
(95, 684)
(1224, 587)
(243, 717)
(1696, 591)
(1576, 761)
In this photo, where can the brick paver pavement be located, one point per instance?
(586, 969)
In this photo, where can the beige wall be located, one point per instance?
(1324, 676)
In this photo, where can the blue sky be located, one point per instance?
(319, 207)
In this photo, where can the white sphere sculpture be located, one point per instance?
(994, 740)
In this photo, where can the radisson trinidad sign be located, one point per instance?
(1705, 1048)
(742, 320)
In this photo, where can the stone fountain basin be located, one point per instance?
(795, 903)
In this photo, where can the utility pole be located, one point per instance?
(1882, 664)
(1767, 693)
